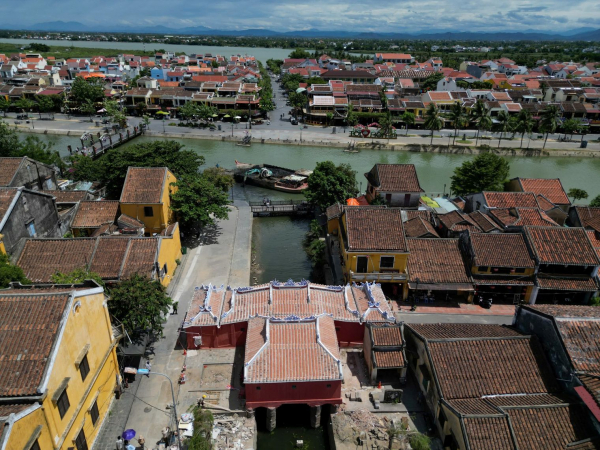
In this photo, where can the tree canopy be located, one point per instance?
(577, 194)
(82, 90)
(430, 83)
(140, 304)
(595, 203)
(198, 201)
(330, 184)
(10, 273)
(31, 146)
(486, 172)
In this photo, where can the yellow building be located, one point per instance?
(370, 241)
(146, 197)
(59, 370)
(501, 266)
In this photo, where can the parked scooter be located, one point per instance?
(485, 303)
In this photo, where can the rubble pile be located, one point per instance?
(363, 428)
(233, 432)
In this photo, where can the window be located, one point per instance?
(164, 270)
(31, 228)
(328, 385)
(258, 388)
(63, 403)
(80, 441)
(148, 211)
(94, 412)
(293, 386)
(387, 262)
(84, 368)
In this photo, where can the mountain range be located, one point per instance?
(580, 34)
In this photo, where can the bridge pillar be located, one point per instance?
(315, 416)
(271, 418)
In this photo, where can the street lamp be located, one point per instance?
(148, 372)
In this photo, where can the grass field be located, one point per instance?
(72, 52)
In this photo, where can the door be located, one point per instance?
(362, 263)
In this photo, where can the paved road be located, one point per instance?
(453, 318)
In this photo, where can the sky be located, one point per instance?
(288, 15)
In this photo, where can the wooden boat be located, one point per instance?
(272, 177)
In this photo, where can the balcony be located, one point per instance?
(380, 277)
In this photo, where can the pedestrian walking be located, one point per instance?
(141, 441)
(175, 305)
(165, 435)
(120, 443)
(148, 367)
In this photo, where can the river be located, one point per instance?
(261, 53)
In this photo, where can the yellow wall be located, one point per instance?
(163, 215)
(169, 251)
(2, 247)
(88, 324)
(23, 429)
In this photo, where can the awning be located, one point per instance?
(586, 284)
(441, 286)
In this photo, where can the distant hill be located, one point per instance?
(584, 34)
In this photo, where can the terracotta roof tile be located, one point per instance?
(7, 196)
(587, 214)
(457, 221)
(526, 400)
(519, 217)
(488, 433)
(582, 342)
(458, 331)
(129, 222)
(67, 196)
(478, 367)
(552, 189)
(108, 257)
(140, 257)
(394, 178)
(567, 311)
(387, 336)
(367, 298)
(92, 214)
(291, 351)
(558, 245)
(544, 203)
(474, 406)
(9, 167)
(385, 360)
(418, 227)
(374, 228)
(586, 284)
(436, 261)
(500, 250)
(483, 221)
(28, 327)
(144, 185)
(511, 199)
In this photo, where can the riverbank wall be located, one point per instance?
(457, 149)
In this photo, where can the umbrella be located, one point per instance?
(128, 434)
(162, 112)
(237, 117)
(215, 115)
(102, 110)
(226, 116)
(300, 90)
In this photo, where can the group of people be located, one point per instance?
(122, 444)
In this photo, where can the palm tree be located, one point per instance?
(504, 124)
(433, 120)
(524, 123)
(550, 121)
(409, 119)
(458, 118)
(479, 113)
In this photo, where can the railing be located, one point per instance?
(378, 276)
(279, 202)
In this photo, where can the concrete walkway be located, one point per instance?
(223, 257)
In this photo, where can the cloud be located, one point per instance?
(286, 15)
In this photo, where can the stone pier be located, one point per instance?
(315, 416)
(271, 418)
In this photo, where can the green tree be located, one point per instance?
(219, 178)
(24, 104)
(524, 123)
(83, 90)
(10, 273)
(77, 276)
(480, 117)
(297, 101)
(44, 104)
(315, 80)
(430, 83)
(88, 107)
(205, 111)
(595, 203)
(408, 118)
(198, 202)
(433, 120)
(188, 111)
(329, 117)
(330, 184)
(419, 441)
(4, 104)
(265, 104)
(31, 146)
(550, 121)
(577, 194)
(386, 125)
(503, 124)
(141, 108)
(140, 304)
(115, 113)
(214, 64)
(486, 172)
(299, 54)
(571, 126)
(458, 118)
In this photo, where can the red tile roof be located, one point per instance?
(586, 284)
(587, 214)
(418, 227)
(460, 331)
(9, 169)
(519, 217)
(92, 214)
(140, 259)
(552, 189)
(67, 196)
(456, 221)
(388, 360)
(486, 433)
(108, 257)
(394, 178)
(287, 351)
(29, 324)
(500, 250)
(483, 221)
(374, 228)
(511, 199)
(387, 336)
(144, 185)
(558, 245)
(436, 261)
